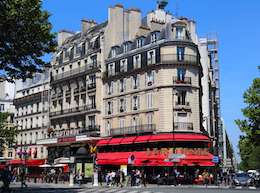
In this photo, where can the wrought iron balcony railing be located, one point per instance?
(73, 110)
(133, 129)
(184, 80)
(183, 126)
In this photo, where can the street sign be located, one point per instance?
(176, 156)
(215, 159)
(25, 148)
(171, 160)
(131, 161)
(132, 157)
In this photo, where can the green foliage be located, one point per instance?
(25, 37)
(7, 134)
(249, 144)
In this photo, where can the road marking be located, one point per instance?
(252, 187)
(238, 187)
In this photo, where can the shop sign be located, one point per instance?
(186, 151)
(67, 132)
(66, 139)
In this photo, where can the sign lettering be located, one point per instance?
(186, 151)
(66, 139)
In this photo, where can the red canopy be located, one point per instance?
(142, 139)
(128, 140)
(35, 162)
(178, 137)
(29, 153)
(103, 142)
(115, 141)
(34, 152)
(15, 152)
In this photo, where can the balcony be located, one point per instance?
(68, 93)
(183, 126)
(29, 98)
(54, 96)
(178, 80)
(73, 110)
(82, 89)
(76, 71)
(6, 110)
(59, 95)
(182, 104)
(92, 85)
(162, 59)
(133, 129)
(76, 90)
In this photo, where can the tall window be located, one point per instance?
(113, 52)
(151, 57)
(70, 69)
(91, 121)
(179, 33)
(180, 54)
(137, 62)
(181, 98)
(149, 100)
(111, 69)
(125, 47)
(153, 37)
(94, 61)
(181, 74)
(92, 101)
(139, 43)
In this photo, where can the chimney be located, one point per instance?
(63, 35)
(86, 24)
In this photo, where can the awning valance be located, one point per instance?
(103, 142)
(115, 141)
(178, 137)
(142, 139)
(128, 140)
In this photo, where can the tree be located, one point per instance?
(25, 36)
(249, 144)
(7, 133)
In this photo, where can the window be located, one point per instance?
(125, 47)
(151, 78)
(2, 107)
(83, 48)
(37, 105)
(92, 101)
(71, 50)
(121, 105)
(62, 72)
(123, 66)
(110, 107)
(108, 127)
(70, 70)
(182, 121)
(151, 57)
(150, 121)
(179, 33)
(110, 88)
(10, 154)
(180, 54)
(25, 138)
(94, 61)
(106, 131)
(139, 43)
(124, 84)
(121, 123)
(181, 74)
(68, 103)
(92, 79)
(37, 121)
(153, 37)
(181, 98)
(36, 135)
(135, 82)
(113, 52)
(86, 63)
(43, 121)
(91, 122)
(135, 103)
(111, 69)
(32, 108)
(78, 67)
(41, 151)
(30, 138)
(137, 62)
(149, 100)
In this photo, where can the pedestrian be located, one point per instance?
(133, 180)
(122, 177)
(143, 177)
(117, 177)
(205, 177)
(100, 176)
(211, 178)
(6, 177)
(107, 177)
(175, 176)
(23, 179)
(137, 175)
(113, 176)
(79, 176)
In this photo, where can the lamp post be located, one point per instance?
(21, 155)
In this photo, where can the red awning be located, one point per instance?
(34, 152)
(103, 142)
(16, 162)
(178, 137)
(115, 141)
(15, 152)
(35, 162)
(29, 153)
(128, 140)
(142, 139)
(24, 151)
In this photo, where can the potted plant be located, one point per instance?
(149, 83)
(105, 73)
(121, 109)
(135, 87)
(135, 107)
(109, 112)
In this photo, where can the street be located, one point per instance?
(151, 188)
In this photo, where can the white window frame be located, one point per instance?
(106, 108)
(106, 127)
(124, 105)
(113, 52)
(149, 100)
(138, 102)
(106, 87)
(118, 86)
(125, 47)
(138, 81)
(124, 84)
(153, 38)
(123, 65)
(121, 123)
(150, 61)
(139, 43)
(137, 64)
(111, 69)
(179, 33)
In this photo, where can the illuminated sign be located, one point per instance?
(66, 139)
(186, 151)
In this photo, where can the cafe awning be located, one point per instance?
(142, 139)
(103, 142)
(128, 140)
(178, 137)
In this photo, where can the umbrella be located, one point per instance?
(45, 166)
(206, 164)
(60, 165)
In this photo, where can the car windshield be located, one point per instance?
(242, 175)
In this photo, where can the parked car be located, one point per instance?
(243, 179)
(251, 173)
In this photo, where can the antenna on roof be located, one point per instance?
(177, 7)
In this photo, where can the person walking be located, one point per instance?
(137, 175)
(133, 178)
(143, 174)
(100, 176)
(117, 177)
(107, 177)
(205, 177)
(122, 177)
(6, 177)
(23, 179)
(113, 177)
(79, 176)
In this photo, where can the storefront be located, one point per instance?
(150, 152)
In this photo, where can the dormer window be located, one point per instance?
(111, 69)
(125, 48)
(153, 37)
(113, 52)
(123, 65)
(137, 61)
(139, 43)
(179, 34)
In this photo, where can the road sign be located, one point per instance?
(25, 148)
(132, 157)
(215, 159)
(171, 160)
(131, 161)
(176, 156)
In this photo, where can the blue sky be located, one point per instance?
(237, 22)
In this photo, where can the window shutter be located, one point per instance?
(124, 105)
(148, 121)
(112, 85)
(151, 119)
(131, 83)
(106, 108)
(118, 85)
(123, 123)
(125, 66)
(110, 127)
(151, 100)
(138, 80)
(106, 89)
(113, 68)
(131, 103)
(153, 77)
(148, 97)
(131, 124)
(106, 133)
(138, 102)
(118, 107)
(124, 84)
(145, 79)
(112, 107)
(136, 121)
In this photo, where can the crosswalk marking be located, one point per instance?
(252, 187)
(238, 187)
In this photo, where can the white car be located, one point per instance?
(251, 172)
